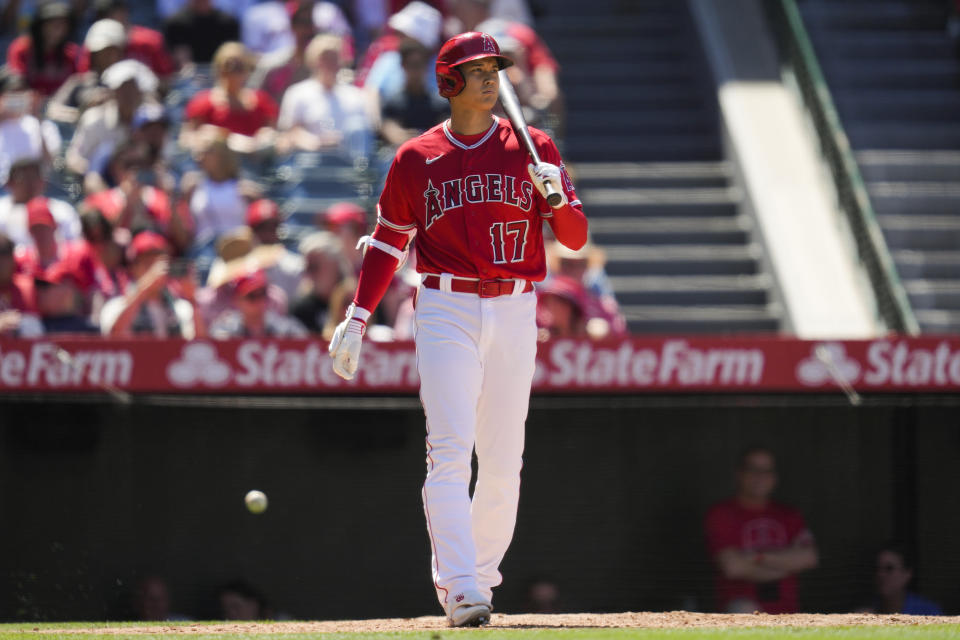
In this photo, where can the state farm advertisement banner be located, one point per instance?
(632, 365)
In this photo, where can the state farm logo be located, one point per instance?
(828, 361)
(198, 364)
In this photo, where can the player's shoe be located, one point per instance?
(469, 609)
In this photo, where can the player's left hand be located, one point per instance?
(345, 345)
(546, 172)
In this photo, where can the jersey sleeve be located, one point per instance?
(198, 107)
(393, 209)
(549, 153)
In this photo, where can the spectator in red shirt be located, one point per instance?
(143, 44)
(348, 221)
(249, 114)
(96, 262)
(45, 56)
(135, 205)
(150, 306)
(18, 315)
(759, 546)
(560, 308)
(35, 258)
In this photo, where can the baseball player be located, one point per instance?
(466, 189)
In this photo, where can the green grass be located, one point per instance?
(928, 632)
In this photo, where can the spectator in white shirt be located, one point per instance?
(22, 135)
(218, 199)
(323, 114)
(104, 126)
(25, 182)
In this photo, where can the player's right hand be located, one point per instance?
(345, 345)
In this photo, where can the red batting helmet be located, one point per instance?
(465, 47)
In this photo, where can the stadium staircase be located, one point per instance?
(895, 77)
(644, 146)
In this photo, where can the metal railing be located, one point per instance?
(797, 53)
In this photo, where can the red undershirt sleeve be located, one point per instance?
(378, 268)
(569, 226)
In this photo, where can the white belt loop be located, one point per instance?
(518, 286)
(446, 282)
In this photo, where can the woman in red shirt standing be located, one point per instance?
(250, 115)
(44, 56)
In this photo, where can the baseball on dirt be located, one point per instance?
(256, 501)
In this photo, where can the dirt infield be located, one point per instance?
(668, 620)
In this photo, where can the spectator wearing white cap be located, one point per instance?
(142, 43)
(323, 113)
(104, 126)
(104, 45)
(381, 70)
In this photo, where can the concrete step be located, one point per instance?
(909, 166)
(922, 75)
(645, 121)
(892, 45)
(678, 260)
(880, 16)
(615, 74)
(939, 104)
(901, 133)
(930, 265)
(671, 230)
(653, 25)
(915, 198)
(938, 321)
(938, 294)
(712, 319)
(648, 148)
(593, 175)
(671, 97)
(921, 233)
(692, 290)
(627, 8)
(604, 50)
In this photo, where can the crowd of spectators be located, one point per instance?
(203, 168)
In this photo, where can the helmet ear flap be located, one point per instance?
(450, 81)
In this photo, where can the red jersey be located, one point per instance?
(111, 203)
(19, 295)
(262, 112)
(474, 209)
(732, 526)
(55, 71)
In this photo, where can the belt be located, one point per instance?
(482, 288)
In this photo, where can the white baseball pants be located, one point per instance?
(476, 359)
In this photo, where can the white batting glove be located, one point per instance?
(546, 172)
(345, 344)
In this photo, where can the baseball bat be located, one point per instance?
(511, 106)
